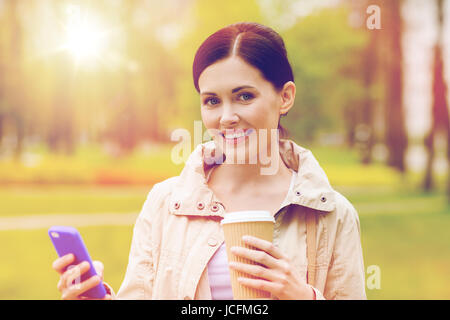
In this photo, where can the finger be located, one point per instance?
(257, 256)
(59, 285)
(98, 266)
(73, 274)
(76, 290)
(264, 245)
(61, 263)
(254, 270)
(259, 284)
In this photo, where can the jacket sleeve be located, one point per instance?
(138, 281)
(346, 276)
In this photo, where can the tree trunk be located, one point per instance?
(396, 137)
(2, 119)
(369, 75)
(20, 134)
(440, 114)
(429, 146)
(16, 80)
(448, 166)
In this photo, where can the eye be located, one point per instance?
(205, 102)
(247, 96)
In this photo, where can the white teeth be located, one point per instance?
(237, 134)
(234, 135)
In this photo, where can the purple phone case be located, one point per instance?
(69, 241)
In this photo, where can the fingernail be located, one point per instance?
(68, 257)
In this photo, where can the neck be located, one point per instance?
(236, 177)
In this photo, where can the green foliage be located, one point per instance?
(141, 89)
(325, 53)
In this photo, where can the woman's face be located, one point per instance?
(238, 106)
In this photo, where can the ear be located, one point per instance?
(287, 95)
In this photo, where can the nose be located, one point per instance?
(229, 117)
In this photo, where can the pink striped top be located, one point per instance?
(219, 275)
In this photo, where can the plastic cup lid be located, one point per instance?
(247, 216)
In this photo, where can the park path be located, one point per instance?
(45, 221)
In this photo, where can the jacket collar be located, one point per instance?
(192, 196)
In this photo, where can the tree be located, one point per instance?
(360, 121)
(440, 114)
(395, 135)
(61, 126)
(13, 85)
(326, 56)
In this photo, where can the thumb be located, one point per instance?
(98, 268)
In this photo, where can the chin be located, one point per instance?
(240, 154)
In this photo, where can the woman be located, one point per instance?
(246, 84)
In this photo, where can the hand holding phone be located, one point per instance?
(79, 278)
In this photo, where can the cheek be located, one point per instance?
(210, 121)
(206, 118)
(265, 116)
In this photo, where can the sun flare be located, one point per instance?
(85, 39)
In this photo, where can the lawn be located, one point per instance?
(407, 239)
(65, 199)
(26, 273)
(404, 232)
(412, 253)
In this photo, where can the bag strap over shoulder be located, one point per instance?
(311, 222)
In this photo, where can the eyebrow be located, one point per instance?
(232, 91)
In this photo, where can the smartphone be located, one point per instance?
(68, 240)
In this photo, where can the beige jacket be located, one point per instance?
(178, 231)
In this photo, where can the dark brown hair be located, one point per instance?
(258, 45)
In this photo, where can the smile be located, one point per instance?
(235, 136)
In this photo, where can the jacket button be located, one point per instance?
(215, 208)
(297, 193)
(323, 199)
(212, 242)
(200, 206)
(176, 205)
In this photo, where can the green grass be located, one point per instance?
(25, 270)
(412, 252)
(71, 199)
(378, 201)
(403, 231)
(89, 165)
(407, 239)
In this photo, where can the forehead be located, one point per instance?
(229, 73)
